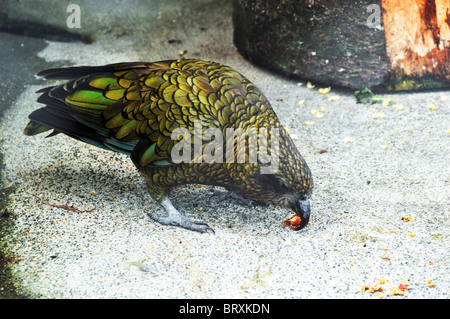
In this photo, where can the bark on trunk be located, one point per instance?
(382, 45)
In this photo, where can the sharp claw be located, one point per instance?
(208, 229)
(202, 227)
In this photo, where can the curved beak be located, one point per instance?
(303, 209)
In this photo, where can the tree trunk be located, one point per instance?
(382, 45)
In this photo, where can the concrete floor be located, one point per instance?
(382, 163)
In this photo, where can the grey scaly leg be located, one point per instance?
(174, 218)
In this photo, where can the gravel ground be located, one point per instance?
(381, 163)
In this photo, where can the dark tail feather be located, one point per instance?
(64, 124)
(47, 118)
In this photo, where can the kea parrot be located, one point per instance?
(165, 114)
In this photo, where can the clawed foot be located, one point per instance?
(174, 218)
(182, 221)
(229, 195)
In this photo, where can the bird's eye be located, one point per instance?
(284, 186)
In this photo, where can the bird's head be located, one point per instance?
(289, 185)
(282, 190)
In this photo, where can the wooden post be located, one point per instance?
(382, 45)
(418, 42)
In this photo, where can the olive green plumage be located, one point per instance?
(134, 108)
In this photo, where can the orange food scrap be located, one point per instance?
(405, 282)
(430, 284)
(386, 258)
(408, 218)
(293, 222)
(365, 288)
(403, 287)
(411, 235)
(377, 287)
(400, 290)
(396, 291)
(372, 289)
